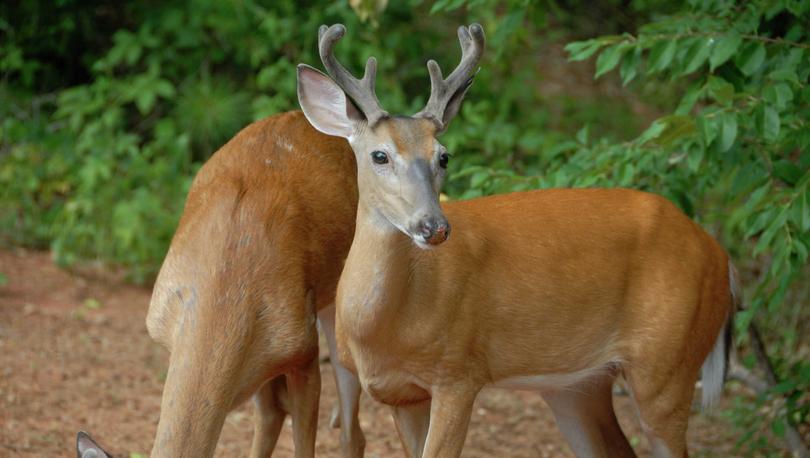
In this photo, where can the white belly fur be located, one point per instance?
(548, 382)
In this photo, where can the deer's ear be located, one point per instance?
(86, 447)
(325, 104)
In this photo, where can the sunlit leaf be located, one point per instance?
(724, 48)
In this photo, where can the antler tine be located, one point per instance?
(442, 90)
(362, 90)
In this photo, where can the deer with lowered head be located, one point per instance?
(559, 291)
(257, 253)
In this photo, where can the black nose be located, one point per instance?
(434, 230)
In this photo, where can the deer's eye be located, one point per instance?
(379, 157)
(443, 160)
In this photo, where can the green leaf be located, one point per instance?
(661, 55)
(759, 224)
(164, 88)
(689, 100)
(677, 127)
(797, 7)
(695, 158)
(776, 225)
(755, 199)
(629, 67)
(581, 50)
(466, 171)
(750, 59)
(3, 279)
(800, 249)
(609, 58)
(723, 49)
(479, 178)
(145, 101)
(768, 123)
(709, 128)
(696, 55)
(786, 171)
(582, 134)
(721, 90)
(446, 5)
(652, 132)
(784, 74)
(626, 172)
(779, 94)
(742, 319)
(728, 132)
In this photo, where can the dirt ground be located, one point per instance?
(75, 355)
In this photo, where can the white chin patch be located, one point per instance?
(421, 242)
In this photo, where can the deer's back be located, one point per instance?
(271, 212)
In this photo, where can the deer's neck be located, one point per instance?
(375, 287)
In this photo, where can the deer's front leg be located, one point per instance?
(271, 405)
(450, 412)
(304, 390)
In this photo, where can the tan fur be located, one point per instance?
(411, 137)
(267, 224)
(541, 282)
(558, 290)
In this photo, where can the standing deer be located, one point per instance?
(259, 249)
(559, 290)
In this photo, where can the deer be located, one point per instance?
(560, 291)
(255, 259)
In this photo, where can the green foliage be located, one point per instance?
(738, 139)
(107, 113)
(98, 169)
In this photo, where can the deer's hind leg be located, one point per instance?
(412, 422)
(664, 405)
(585, 416)
(352, 440)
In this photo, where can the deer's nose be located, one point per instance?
(434, 230)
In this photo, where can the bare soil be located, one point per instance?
(75, 355)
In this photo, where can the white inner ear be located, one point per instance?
(324, 104)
